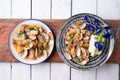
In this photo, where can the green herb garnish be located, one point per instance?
(77, 59)
(32, 28)
(72, 36)
(21, 32)
(96, 51)
(99, 37)
(42, 48)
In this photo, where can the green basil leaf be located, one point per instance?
(77, 59)
(42, 48)
(32, 28)
(21, 32)
(72, 36)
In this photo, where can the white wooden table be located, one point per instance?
(57, 9)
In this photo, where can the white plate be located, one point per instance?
(12, 49)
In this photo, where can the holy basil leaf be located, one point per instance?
(32, 28)
(21, 32)
(72, 36)
(77, 60)
(42, 48)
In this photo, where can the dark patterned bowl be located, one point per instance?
(95, 61)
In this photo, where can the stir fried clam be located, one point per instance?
(84, 38)
(77, 42)
(32, 41)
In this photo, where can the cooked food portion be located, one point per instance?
(32, 41)
(77, 41)
(84, 38)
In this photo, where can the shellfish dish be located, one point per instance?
(32, 41)
(85, 38)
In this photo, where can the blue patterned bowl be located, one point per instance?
(95, 61)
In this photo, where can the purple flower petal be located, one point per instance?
(107, 35)
(98, 30)
(96, 22)
(86, 18)
(99, 46)
(90, 27)
(107, 27)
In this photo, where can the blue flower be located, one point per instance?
(107, 27)
(90, 27)
(98, 30)
(99, 46)
(96, 22)
(107, 35)
(86, 18)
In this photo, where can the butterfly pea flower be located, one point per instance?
(96, 22)
(99, 46)
(107, 35)
(86, 18)
(90, 27)
(98, 30)
(107, 27)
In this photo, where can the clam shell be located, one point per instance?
(86, 37)
(84, 62)
(78, 52)
(25, 53)
(19, 38)
(45, 54)
(83, 26)
(67, 56)
(31, 54)
(33, 37)
(28, 46)
(46, 37)
(37, 53)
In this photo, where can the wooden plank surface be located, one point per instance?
(21, 9)
(5, 71)
(41, 9)
(61, 9)
(60, 71)
(108, 72)
(5, 8)
(7, 24)
(20, 71)
(41, 71)
(109, 9)
(83, 6)
(83, 75)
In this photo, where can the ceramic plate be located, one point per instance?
(15, 30)
(94, 62)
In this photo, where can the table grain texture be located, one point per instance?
(7, 24)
